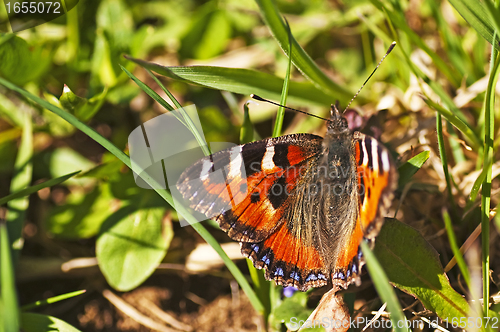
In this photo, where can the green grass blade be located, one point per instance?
(243, 81)
(444, 161)
(16, 209)
(396, 15)
(300, 58)
(33, 189)
(489, 123)
(384, 288)
(184, 118)
(455, 248)
(478, 18)
(9, 310)
(284, 93)
(408, 169)
(150, 92)
(198, 227)
(458, 123)
(52, 300)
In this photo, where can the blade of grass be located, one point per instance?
(444, 161)
(190, 125)
(16, 209)
(384, 288)
(284, 92)
(33, 189)
(185, 119)
(450, 111)
(198, 227)
(489, 123)
(464, 128)
(300, 58)
(52, 300)
(242, 81)
(478, 17)
(8, 306)
(396, 16)
(455, 249)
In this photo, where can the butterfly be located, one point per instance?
(299, 204)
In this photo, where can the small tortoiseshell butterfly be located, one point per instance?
(299, 204)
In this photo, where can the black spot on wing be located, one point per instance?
(380, 161)
(280, 157)
(278, 193)
(255, 197)
(253, 154)
(368, 144)
(362, 187)
(361, 154)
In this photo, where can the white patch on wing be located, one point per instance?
(267, 161)
(365, 153)
(374, 154)
(205, 170)
(236, 163)
(385, 161)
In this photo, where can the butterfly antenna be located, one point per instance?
(288, 108)
(373, 72)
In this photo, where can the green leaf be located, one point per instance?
(22, 63)
(243, 81)
(33, 189)
(246, 131)
(412, 265)
(9, 311)
(408, 169)
(82, 214)
(477, 16)
(131, 245)
(42, 323)
(65, 160)
(83, 108)
(384, 289)
(292, 310)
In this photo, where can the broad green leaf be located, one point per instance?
(31, 322)
(9, 311)
(384, 288)
(33, 189)
(408, 169)
(292, 311)
(243, 81)
(412, 265)
(82, 214)
(65, 160)
(131, 245)
(22, 63)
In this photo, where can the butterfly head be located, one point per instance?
(337, 124)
